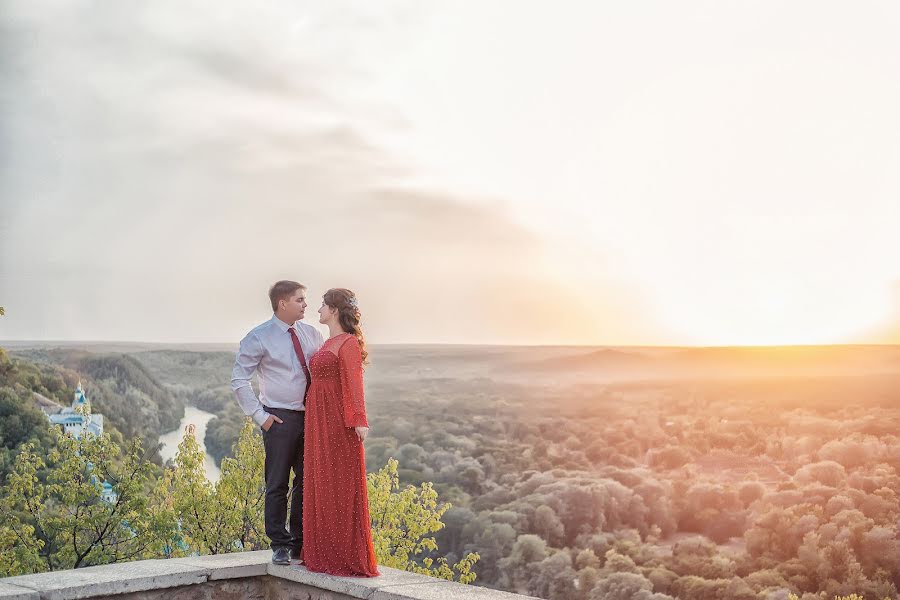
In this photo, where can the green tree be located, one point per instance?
(206, 525)
(518, 567)
(242, 487)
(221, 517)
(402, 524)
(20, 422)
(64, 522)
(20, 547)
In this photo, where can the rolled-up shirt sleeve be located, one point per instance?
(245, 365)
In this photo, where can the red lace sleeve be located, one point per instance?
(352, 398)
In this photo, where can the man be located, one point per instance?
(278, 351)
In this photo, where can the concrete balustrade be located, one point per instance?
(238, 576)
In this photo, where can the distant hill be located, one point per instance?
(21, 420)
(100, 347)
(606, 358)
(119, 387)
(201, 379)
(719, 362)
(188, 367)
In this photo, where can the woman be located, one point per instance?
(337, 535)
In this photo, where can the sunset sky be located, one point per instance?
(479, 172)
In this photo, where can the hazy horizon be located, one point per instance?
(640, 174)
(18, 343)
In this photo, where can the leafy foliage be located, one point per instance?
(402, 522)
(712, 487)
(63, 522)
(226, 516)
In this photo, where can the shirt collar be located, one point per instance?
(281, 324)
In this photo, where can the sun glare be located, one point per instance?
(775, 315)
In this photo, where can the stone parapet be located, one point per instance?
(238, 576)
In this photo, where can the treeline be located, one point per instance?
(698, 490)
(728, 488)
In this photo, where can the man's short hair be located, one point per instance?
(283, 290)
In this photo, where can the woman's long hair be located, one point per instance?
(344, 301)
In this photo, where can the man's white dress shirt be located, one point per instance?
(269, 351)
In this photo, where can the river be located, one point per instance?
(198, 418)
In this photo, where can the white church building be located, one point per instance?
(74, 424)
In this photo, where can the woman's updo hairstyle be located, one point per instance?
(344, 301)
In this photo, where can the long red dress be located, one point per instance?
(337, 531)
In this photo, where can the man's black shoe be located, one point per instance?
(281, 556)
(295, 553)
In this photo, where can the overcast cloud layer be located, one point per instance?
(486, 174)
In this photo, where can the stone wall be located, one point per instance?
(239, 576)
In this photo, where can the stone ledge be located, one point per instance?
(14, 592)
(437, 589)
(159, 574)
(230, 566)
(355, 587)
(106, 580)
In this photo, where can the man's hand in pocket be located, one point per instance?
(269, 421)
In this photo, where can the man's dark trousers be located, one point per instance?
(284, 451)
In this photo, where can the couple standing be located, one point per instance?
(313, 419)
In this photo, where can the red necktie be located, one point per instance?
(302, 358)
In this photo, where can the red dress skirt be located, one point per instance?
(337, 531)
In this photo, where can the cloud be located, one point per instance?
(440, 218)
(164, 163)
